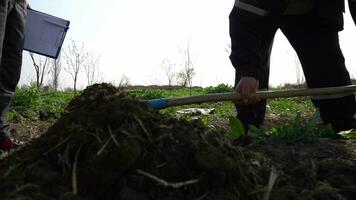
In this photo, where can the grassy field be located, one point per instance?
(48, 106)
(33, 106)
(30, 103)
(287, 120)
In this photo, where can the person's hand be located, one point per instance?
(247, 88)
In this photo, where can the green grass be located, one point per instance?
(288, 107)
(49, 105)
(299, 130)
(277, 108)
(54, 103)
(146, 94)
(32, 104)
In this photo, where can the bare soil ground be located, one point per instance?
(28, 130)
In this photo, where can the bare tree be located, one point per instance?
(299, 72)
(228, 49)
(75, 58)
(55, 70)
(91, 69)
(168, 68)
(124, 81)
(185, 77)
(40, 64)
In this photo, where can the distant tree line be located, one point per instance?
(181, 73)
(77, 60)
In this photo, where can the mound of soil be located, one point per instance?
(109, 145)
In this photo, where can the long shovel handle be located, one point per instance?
(164, 103)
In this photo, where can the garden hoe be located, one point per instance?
(315, 92)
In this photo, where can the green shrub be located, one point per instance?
(53, 104)
(30, 103)
(27, 101)
(221, 88)
(147, 94)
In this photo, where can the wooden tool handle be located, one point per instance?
(261, 94)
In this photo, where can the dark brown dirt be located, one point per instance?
(325, 169)
(108, 145)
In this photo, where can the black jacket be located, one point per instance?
(334, 9)
(330, 10)
(352, 6)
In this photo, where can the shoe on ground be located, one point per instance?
(8, 142)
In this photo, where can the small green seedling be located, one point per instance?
(236, 129)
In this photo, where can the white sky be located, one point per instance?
(134, 36)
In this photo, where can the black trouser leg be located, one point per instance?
(11, 61)
(338, 112)
(12, 25)
(251, 42)
(323, 63)
(4, 6)
(252, 114)
(5, 101)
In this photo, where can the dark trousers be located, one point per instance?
(316, 42)
(12, 25)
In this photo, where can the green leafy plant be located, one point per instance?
(297, 131)
(236, 129)
(14, 116)
(27, 101)
(53, 104)
(29, 98)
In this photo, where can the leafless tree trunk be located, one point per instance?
(91, 69)
(228, 49)
(168, 68)
(41, 68)
(124, 81)
(75, 58)
(299, 72)
(56, 68)
(187, 73)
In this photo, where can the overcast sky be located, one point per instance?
(134, 36)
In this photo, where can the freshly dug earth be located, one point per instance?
(108, 145)
(325, 169)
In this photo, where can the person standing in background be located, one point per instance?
(311, 27)
(12, 28)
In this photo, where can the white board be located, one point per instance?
(44, 34)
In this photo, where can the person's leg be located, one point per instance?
(4, 6)
(352, 8)
(317, 45)
(251, 44)
(10, 67)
